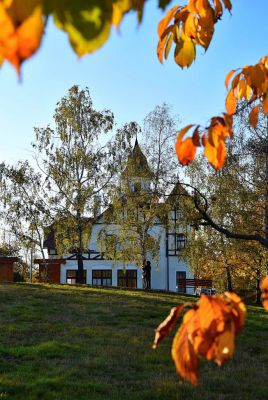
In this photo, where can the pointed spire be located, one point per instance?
(137, 163)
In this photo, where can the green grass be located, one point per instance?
(73, 343)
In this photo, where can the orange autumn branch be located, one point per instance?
(208, 330)
(249, 83)
(192, 25)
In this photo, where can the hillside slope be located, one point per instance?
(71, 343)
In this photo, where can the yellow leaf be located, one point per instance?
(88, 24)
(190, 26)
(185, 52)
(121, 7)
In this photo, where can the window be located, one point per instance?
(71, 276)
(180, 241)
(102, 277)
(175, 243)
(181, 281)
(127, 278)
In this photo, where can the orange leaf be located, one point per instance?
(166, 326)
(206, 29)
(230, 103)
(162, 43)
(218, 8)
(21, 30)
(183, 353)
(254, 116)
(238, 310)
(265, 105)
(166, 20)
(213, 309)
(215, 155)
(224, 344)
(186, 151)
(227, 4)
(183, 131)
(196, 137)
(264, 288)
(229, 76)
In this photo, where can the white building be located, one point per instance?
(170, 275)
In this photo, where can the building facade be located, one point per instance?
(169, 273)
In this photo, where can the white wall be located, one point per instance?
(159, 274)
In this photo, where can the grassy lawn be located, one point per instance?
(62, 343)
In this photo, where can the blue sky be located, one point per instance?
(125, 75)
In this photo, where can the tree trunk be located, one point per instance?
(229, 285)
(266, 198)
(258, 289)
(80, 263)
(144, 280)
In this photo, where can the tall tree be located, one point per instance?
(25, 211)
(76, 166)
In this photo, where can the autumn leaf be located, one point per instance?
(163, 24)
(264, 288)
(21, 30)
(194, 24)
(185, 52)
(229, 77)
(254, 116)
(230, 103)
(87, 24)
(185, 149)
(166, 326)
(183, 353)
(238, 310)
(265, 103)
(215, 155)
(207, 330)
(122, 7)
